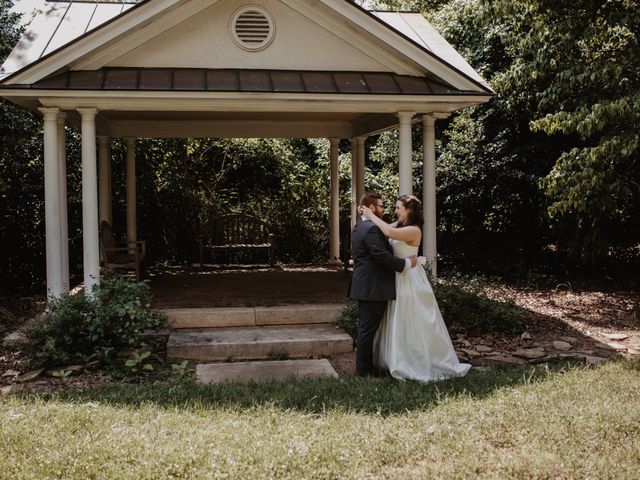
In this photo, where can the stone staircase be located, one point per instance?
(257, 343)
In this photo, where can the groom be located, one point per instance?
(373, 282)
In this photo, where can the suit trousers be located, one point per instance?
(370, 316)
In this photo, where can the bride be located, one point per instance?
(412, 341)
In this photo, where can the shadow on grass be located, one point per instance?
(386, 396)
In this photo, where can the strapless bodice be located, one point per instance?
(402, 249)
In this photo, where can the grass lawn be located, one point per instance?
(574, 422)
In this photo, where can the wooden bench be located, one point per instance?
(120, 256)
(236, 233)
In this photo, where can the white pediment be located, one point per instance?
(206, 40)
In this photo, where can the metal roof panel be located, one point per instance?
(73, 24)
(287, 82)
(189, 79)
(121, 79)
(156, 79)
(194, 79)
(223, 80)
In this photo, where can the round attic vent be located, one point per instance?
(252, 27)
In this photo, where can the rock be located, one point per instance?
(617, 346)
(479, 362)
(559, 345)
(551, 358)
(497, 359)
(603, 346)
(10, 389)
(586, 352)
(93, 365)
(526, 336)
(39, 383)
(461, 355)
(32, 375)
(471, 353)
(529, 353)
(572, 357)
(11, 373)
(483, 349)
(264, 371)
(591, 360)
(460, 339)
(15, 339)
(73, 369)
(616, 336)
(571, 340)
(633, 350)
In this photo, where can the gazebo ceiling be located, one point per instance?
(225, 124)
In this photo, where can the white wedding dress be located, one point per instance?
(412, 341)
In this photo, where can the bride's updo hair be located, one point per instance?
(414, 211)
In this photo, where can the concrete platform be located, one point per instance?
(264, 371)
(249, 343)
(253, 316)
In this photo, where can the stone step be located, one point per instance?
(252, 316)
(264, 371)
(252, 343)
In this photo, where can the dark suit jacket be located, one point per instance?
(374, 265)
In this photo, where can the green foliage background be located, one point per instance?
(544, 177)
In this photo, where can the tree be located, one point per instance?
(593, 93)
(554, 156)
(21, 186)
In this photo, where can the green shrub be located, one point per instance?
(61, 336)
(348, 318)
(466, 308)
(81, 328)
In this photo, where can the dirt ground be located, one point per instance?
(590, 324)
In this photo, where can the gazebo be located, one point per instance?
(227, 68)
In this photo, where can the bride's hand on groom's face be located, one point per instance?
(366, 211)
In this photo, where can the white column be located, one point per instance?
(64, 229)
(429, 191)
(90, 245)
(360, 166)
(132, 233)
(354, 181)
(334, 219)
(104, 188)
(55, 287)
(404, 160)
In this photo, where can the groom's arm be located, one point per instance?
(376, 243)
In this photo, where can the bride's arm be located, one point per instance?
(409, 234)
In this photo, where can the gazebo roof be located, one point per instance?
(238, 80)
(327, 56)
